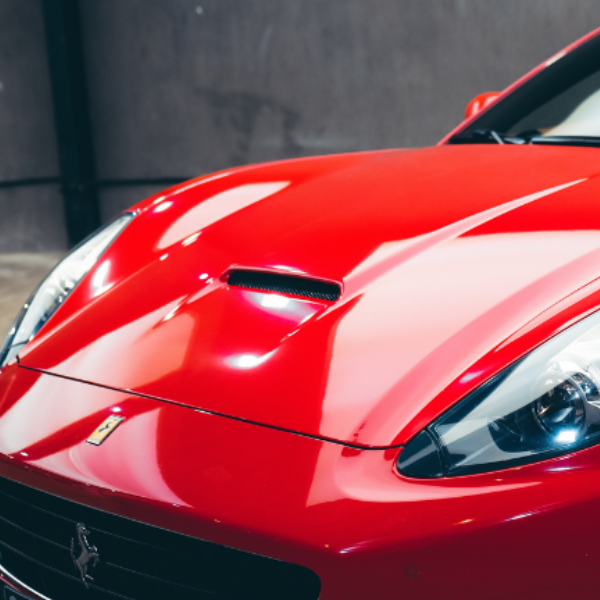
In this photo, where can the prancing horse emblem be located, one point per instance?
(88, 553)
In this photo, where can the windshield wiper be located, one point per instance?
(566, 140)
(491, 136)
(486, 136)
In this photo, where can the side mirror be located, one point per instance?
(480, 102)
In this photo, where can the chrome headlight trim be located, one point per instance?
(59, 284)
(545, 405)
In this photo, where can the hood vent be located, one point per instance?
(285, 284)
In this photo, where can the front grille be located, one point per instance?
(285, 284)
(137, 561)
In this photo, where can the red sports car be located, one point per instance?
(363, 377)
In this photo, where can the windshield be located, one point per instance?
(559, 104)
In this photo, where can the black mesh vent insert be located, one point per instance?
(285, 284)
(137, 561)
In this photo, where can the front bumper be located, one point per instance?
(339, 512)
(110, 555)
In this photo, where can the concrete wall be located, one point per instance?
(30, 217)
(185, 87)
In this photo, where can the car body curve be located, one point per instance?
(271, 422)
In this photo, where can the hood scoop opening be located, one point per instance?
(284, 284)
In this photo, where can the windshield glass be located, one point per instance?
(562, 101)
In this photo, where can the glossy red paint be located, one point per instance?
(322, 505)
(272, 423)
(429, 285)
(480, 102)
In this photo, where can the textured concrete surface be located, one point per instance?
(28, 146)
(19, 275)
(185, 87)
(31, 217)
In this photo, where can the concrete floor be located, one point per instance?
(19, 275)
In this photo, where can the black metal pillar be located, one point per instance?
(71, 114)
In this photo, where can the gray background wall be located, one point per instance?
(184, 87)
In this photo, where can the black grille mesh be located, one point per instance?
(285, 284)
(137, 561)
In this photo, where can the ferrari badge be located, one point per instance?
(107, 427)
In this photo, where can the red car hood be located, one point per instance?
(443, 253)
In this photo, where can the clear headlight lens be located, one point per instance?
(546, 405)
(53, 291)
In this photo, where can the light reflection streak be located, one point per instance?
(198, 183)
(129, 462)
(171, 314)
(470, 376)
(521, 516)
(293, 309)
(290, 269)
(99, 285)
(30, 420)
(390, 255)
(249, 361)
(162, 207)
(274, 301)
(218, 207)
(191, 239)
(155, 348)
(442, 334)
(555, 58)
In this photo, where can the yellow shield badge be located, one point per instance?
(107, 427)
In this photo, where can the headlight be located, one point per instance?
(53, 291)
(546, 405)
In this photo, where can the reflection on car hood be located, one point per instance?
(442, 254)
